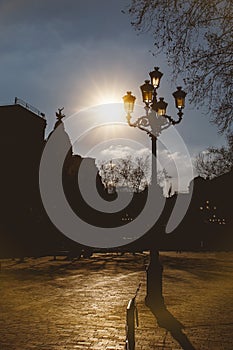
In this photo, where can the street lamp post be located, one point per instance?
(153, 123)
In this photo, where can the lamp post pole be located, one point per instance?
(154, 158)
(154, 293)
(153, 123)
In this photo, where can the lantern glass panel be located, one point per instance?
(147, 92)
(179, 102)
(156, 76)
(147, 96)
(155, 81)
(161, 111)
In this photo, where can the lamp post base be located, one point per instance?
(154, 298)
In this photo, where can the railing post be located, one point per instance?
(130, 325)
(131, 319)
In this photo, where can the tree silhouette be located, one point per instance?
(130, 172)
(215, 161)
(196, 36)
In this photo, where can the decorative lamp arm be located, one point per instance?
(173, 121)
(141, 123)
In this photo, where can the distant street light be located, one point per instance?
(153, 123)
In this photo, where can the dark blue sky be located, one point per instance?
(74, 53)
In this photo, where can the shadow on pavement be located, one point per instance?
(167, 321)
(206, 266)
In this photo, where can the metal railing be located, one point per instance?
(131, 319)
(19, 101)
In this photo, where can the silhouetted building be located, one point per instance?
(22, 143)
(208, 223)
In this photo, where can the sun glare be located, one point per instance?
(105, 90)
(106, 98)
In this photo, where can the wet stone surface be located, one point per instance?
(57, 305)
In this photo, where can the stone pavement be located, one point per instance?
(58, 305)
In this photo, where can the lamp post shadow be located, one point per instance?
(167, 321)
(155, 302)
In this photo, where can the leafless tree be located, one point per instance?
(197, 37)
(109, 173)
(130, 172)
(215, 161)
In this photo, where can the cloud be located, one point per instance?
(120, 151)
(178, 166)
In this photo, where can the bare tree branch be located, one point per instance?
(197, 38)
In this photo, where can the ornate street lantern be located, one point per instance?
(155, 76)
(161, 107)
(129, 100)
(179, 96)
(147, 92)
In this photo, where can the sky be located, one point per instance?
(81, 55)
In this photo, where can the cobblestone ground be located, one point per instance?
(56, 305)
